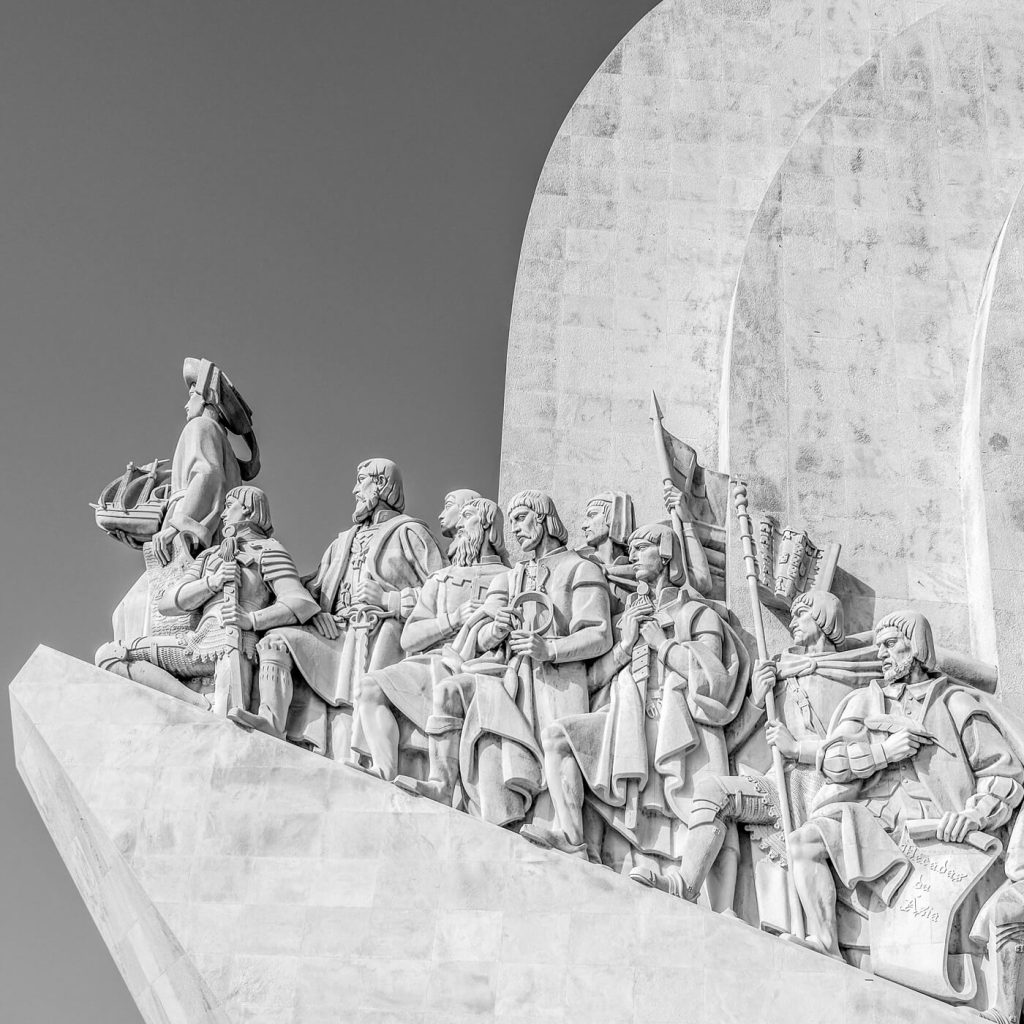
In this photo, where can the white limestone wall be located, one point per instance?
(239, 879)
(780, 216)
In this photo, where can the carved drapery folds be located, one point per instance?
(858, 794)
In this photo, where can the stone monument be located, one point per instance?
(645, 774)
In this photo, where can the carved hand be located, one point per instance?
(506, 619)
(675, 502)
(369, 592)
(653, 634)
(533, 646)
(163, 544)
(224, 574)
(326, 625)
(467, 611)
(765, 679)
(955, 826)
(629, 625)
(232, 615)
(900, 746)
(779, 736)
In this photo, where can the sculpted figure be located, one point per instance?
(812, 678)
(366, 586)
(439, 628)
(915, 747)
(448, 517)
(607, 523)
(674, 679)
(247, 584)
(546, 618)
(204, 467)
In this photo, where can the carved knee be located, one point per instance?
(806, 844)
(448, 700)
(110, 655)
(1009, 908)
(554, 740)
(370, 691)
(711, 800)
(273, 650)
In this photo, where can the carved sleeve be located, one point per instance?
(423, 557)
(848, 752)
(590, 627)
(997, 769)
(427, 625)
(490, 636)
(281, 576)
(206, 483)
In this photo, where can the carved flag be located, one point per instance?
(790, 563)
(705, 491)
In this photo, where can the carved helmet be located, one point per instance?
(214, 386)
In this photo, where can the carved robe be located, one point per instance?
(969, 765)
(204, 468)
(660, 722)
(428, 631)
(397, 552)
(513, 699)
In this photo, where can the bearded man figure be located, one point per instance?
(674, 679)
(367, 585)
(438, 634)
(546, 618)
(915, 747)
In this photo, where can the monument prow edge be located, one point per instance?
(238, 878)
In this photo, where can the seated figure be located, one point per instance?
(437, 634)
(263, 591)
(546, 617)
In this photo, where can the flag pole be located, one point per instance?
(778, 764)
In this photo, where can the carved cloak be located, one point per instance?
(640, 764)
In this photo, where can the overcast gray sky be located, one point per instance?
(326, 198)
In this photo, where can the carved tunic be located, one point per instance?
(662, 724)
(969, 765)
(513, 698)
(397, 552)
(432, 625)
(204, 468)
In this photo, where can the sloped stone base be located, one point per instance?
(238, 879)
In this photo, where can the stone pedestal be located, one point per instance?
(238, 879)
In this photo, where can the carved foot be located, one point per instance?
(374, 773)
(430, 788)
(552, 840)
(814, 943)
(253, 723)
(997, 1016)
(671, 882)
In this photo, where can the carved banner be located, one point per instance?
(910, 939)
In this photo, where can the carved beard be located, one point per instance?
(898, 670)
(364, 509)
(468, 543)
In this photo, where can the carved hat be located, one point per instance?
(618, 514)
(662, 535)
(918, 631)
(215, 388)
(827, 611)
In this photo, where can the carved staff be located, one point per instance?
(233, 697)
(778, 764)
